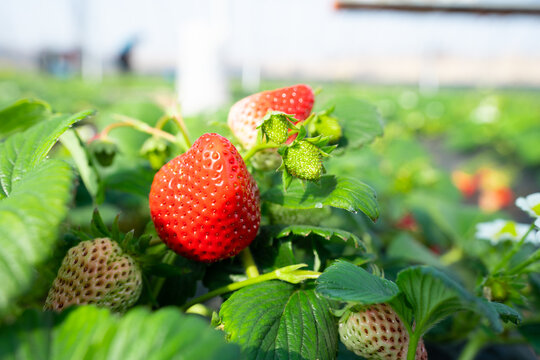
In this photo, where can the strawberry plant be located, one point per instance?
(259, 239)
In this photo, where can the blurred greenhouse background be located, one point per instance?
(456, 84)
(458, 90)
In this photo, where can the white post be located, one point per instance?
(201, 78)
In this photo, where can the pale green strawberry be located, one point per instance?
(303, 160)
(326, 125)
(96, 272)
(266, 160)
(377, 333)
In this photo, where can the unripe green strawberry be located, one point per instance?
(96, 272)
(266, 160)
(304, 161)
(276, 126)
(326, 125)
(377, 333)
(104, 150)
(279, 214)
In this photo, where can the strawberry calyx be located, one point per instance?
(139, 248)
(276, 126)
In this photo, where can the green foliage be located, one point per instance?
(84, 164)
(433, 296)
(361, 121)
(325, 233)
(344, 281)
(270, 319)
(34, 193)
(506, 313)
(422, 293)
(405, 247)
(346, 193)
(91, 333)
(278, 320)
(22, 115)
(531, 332)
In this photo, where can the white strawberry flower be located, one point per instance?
(530, 204)
(503, 230)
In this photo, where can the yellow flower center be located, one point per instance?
(508, 228)
(536, 209)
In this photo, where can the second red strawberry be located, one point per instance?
(204, 203)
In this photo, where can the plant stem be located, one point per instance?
(452, 256)
(473, 346)
(179, 120)
(249, 263)
(532, 259)
(413, 344)
(162, 122)
(504, 262)
(199, 309)
(167, 259)
(141, 126)
(258, 148)
(146, 283)
(155, 242)
(105, 132)
(294, 276)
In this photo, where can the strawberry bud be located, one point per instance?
(103, 150)
(156, 150)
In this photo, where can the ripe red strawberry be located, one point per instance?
(247, 114)
(204, 203)
(96, 272)
(377, 333)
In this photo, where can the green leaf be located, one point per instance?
(22, 115)
(24, 151)
(83, 161)
(326, 233)
(274, 254)
(506, 313)
(361, 121)
(91, 333)
(135, 180)
(405, 247)
(344, 281)
(274, 319)
(434, 296)
(33, 197)
(531, 332)
(339, 192)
